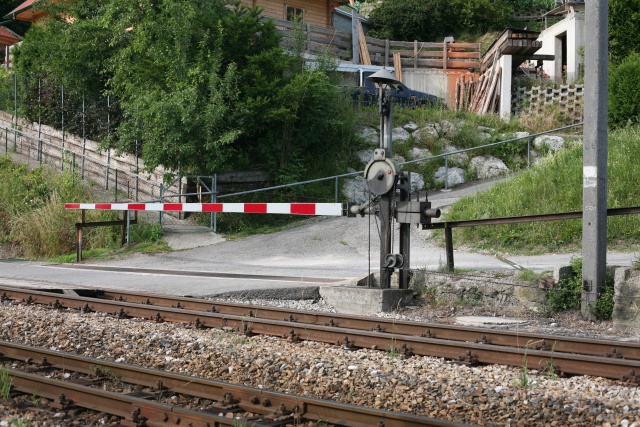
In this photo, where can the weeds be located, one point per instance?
(5, 383)
(523, 376)
(394, 351)
(567, 295)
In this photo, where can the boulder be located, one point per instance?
(553, 142)
(459, 159)
(454, 176)
(370, 134)
(419, 153)
(356, 190)
(486, 167)
(411, 127)
(428, 132)
(417, 182)
(399, 134)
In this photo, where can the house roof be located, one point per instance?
(25, 12)
(8, 37)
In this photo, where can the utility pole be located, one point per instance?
(594, 192)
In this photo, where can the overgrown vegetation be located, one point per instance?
(567, 294)
(554, 185)
(34, 223)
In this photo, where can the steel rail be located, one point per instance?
(562, 344)
(464, 352)
(229, 396)
(134, 411)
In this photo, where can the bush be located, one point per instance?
(624, 97)
(567, 295)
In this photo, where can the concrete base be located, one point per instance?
(360, 300)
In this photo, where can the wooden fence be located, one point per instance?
(414, 55)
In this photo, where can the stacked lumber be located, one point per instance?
(362, 41)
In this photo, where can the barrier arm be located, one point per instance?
(318, 209)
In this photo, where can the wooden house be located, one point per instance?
(317, 13)
(7, 39)
(27, 11)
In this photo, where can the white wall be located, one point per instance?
(573, 26)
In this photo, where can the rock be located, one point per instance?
(365, 156)
(399, 134)
(459, 159)
(454, 176)
(417, 182)
(486, 167)
(484, 136)
(370, 134)
(552, 142)
(419, 153)
(411, 127)
(425, 133)
(356, 190)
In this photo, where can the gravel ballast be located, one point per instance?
(426, 386)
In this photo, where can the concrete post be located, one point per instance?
(594, 192)
(506, 64)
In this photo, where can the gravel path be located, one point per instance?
(427, 386)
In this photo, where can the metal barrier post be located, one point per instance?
(160, 217)
(448, 238)
(337, 189)
(6, 140)
(528, 153)
(79, 238)
(128, 227)
(213, 196)
(115, 187)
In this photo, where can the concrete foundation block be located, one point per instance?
(626, 311)
(360, 300)
(561, 273)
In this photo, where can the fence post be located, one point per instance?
(115, 187)
(161, 218)
(213, 197)
(528, 153)
(6, 140)
(336, 189)
(106, 184)
(84, 137)
(62, 115)
(386, 53)
(446, 172)
(415, 54)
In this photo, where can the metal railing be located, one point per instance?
(69, 157)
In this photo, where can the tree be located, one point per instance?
(432, 20)
(624, 98)
(624, 19)
(203, 86)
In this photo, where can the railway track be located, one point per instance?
(469, 346)
(224, 404)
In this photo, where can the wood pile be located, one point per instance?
(481, 96)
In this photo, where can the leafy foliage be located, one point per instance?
(432, 20)
(624, 15)
(624, 98)
(200, 87)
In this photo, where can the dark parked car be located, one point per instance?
(400, 95)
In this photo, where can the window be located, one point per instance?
(294, 13)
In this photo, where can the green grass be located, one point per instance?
(35, 223)
(554, 185)
(5, 382)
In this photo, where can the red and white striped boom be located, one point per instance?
(325, 209)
